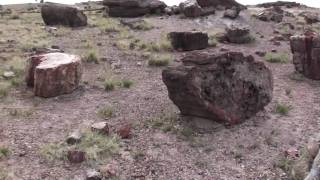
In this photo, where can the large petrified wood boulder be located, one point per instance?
(57, 14)
(306, 54)
(191, 8)
(228, 4)
(53, 74)
(188, 41)
(287, 4)
(134, 8)
(227, 88)
(238, 34)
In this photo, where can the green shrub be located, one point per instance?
(91, 57)
(160, 60)
(105, 112)
(282, 109)
(277, 57)
(4, 152)
(126, 83)
(110, 84)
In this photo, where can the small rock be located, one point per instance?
(276, 43)
(124, 131)
(8, 74)
(274, 50)
(101, 127)
(292, 152)
(261, 53)
(55, 47)
(139, 63)
(223, 49)
(75, 156)
(74, 138)
(109, 170)
(93, 175)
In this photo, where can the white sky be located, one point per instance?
(312, 3)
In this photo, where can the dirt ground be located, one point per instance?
(210, 151)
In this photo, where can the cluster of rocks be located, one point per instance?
(53, 74)
(306, 54)
(287, 4)
(57, 14)
(196, 8)
(274, 13)
(310, 17)
(227, 87)
(133, 8)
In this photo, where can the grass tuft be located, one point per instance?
(160, 60)
(277, 57)
(105, 112)
(282, 109)
(96, 146)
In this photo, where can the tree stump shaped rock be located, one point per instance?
(53, 74)
(226, 88)
(188, 41)
(306, 54)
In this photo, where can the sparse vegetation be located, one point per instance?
(4, 89)
(160, 60)
(4, 152)
(95, 145)
(282, 109)
(110, 84)
(105, 112)
(91, 57)
(277, 57)
(126, 83)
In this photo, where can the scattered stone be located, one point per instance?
(8, 74)
(189, 41)
(311, 17)
(55, 47)
(74, 138)
(275, 14)
(93, 175)
(306, 54)
(191, 8)
(228, 87)
(238, 34)
(232, 13)
(75, 156)
(124, 131)
(274, 50)
(261, 53)
(292, 153)
(101, 127)
(134, 8)
(110, 170)
(53, 74)
(276, 43)
(58, 14)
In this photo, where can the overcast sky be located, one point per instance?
(312, 3)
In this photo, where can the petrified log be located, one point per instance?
(306, 54)
(188, 41)
(54, 74)
(57, 14)
(227, 87)
(133, 8)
